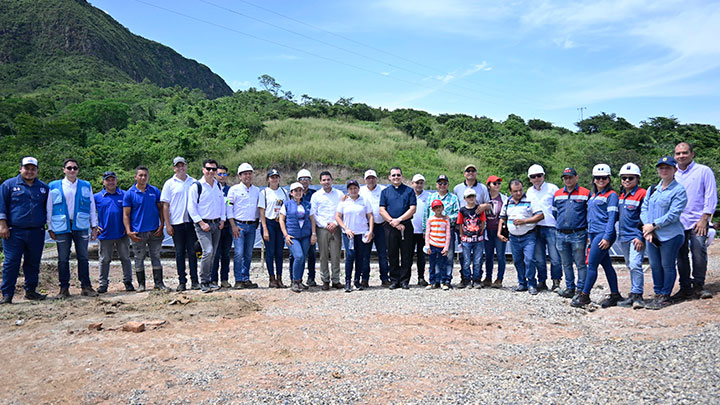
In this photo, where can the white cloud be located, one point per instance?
(239, 84)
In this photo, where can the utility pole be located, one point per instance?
(581, 112)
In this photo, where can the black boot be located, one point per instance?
(158, 280)
(612, 300)
(348, 286)
(141, 280)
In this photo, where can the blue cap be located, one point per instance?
(273, 172)
(109, 174)
(666, 160)
(569, 171)
(352, 183)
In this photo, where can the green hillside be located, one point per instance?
(47, 42)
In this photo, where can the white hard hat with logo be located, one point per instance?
(601, 170)
(245, 167)
(630, 168)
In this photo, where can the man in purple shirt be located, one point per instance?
(699, 182)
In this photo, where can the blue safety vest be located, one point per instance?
(60, 219)
(293, 224)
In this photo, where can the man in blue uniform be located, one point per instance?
(22, 228)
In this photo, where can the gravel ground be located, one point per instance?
(373, 346)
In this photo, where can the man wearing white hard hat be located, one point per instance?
(242, 213)
(22, 228)
(630, 237)
(418, 184)
(371, 192)
(543, 193)
(304, 177)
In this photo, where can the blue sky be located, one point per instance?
(538, 59)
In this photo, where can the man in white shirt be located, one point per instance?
(543, 193)
(178, 224)
(242, 213)
(371, 192)
(206, 208)
(418, 184)
(71, 218)
(324, 204)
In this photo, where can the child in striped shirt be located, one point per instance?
(437, 242)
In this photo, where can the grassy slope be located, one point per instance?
(293, 143)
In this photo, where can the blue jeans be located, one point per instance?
(494, 247)
(222, 256)
(571, 247)
(299, 249)
(380, 242)
(663, 263)
(450, 258)
(243, 251)
(24, 243)
(633, 260)
(64, 242)
(438, 263)
(598, 257)
(523, 252)
(311, 256)
(184, 238)
(546, 241)
(359, 255)
(274, 248)
(472, 254)
(696, 245)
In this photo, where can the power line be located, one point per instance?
(296, 49)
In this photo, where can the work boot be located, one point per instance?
(542, 286)
(88, 291)
(181, 287)
(158, 283)
(141, 281)
(102, 289)
(348, 286)
(661, 301)
(337, 286)
(520, 288)
(497, 283)
(33, 295)
(611, 301)
(581, 300)
(225, 284)
(273, 282)
(463, 283)
(129, 286)
(6, 299)
(385, 283)
(206, 288)
(555, 285)
(700, 292)
(421, 282)
(64, 293)
(365, 284)
(683, 294)
(630, 300)
(567, 293)
(311, 282)
(478, 284)
(326, 285)
(487, 282)
(280, 283)
(295, 286)
(194, 285)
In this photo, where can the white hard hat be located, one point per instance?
(295, 185)
(370, 173)
(630, 168)
(601, 170)
(304, 173)
(245, 167)
(535, 169)
(418, 177)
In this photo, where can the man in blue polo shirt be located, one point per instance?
(109, 203)
(144, 226)
(570, 211)
(397, 206)
(22, 228)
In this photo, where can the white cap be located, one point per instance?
(179, 159)
(245, 167)
(418, 177)
(601, 170)
(468, 192)
(28, 160)
(370, 173)
(304, 173)
(535, 169)
(295, 185)
(630, 168)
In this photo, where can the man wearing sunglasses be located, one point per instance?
(542, 193)
(222, 257)
(178, 223)
(72, 219)
(206, 208)
(242, 213)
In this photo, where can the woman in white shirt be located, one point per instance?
(355, 217)
(271, 200)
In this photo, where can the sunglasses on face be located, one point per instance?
(304, 179)
(627, 178)
(222, 174)
(396, 175)
(71, 168)
(602, 178)
(470, 171)
(211, 169)
(535, 176)
(444, 183)
(495, 183)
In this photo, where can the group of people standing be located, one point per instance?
(402, 222)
